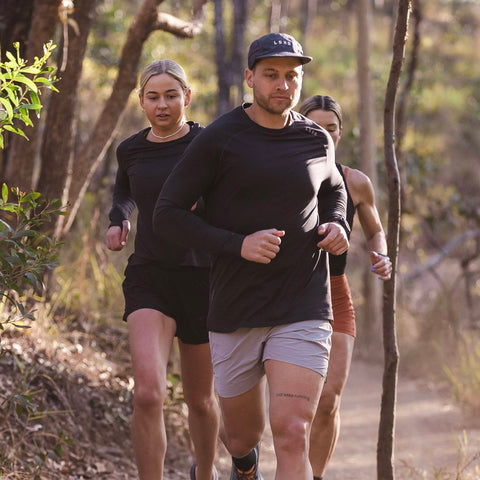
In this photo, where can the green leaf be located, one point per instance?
(12, 94)
(33, 70)
(5, 192)
(9, 208)
(58, 449)
(31, 196)
(25, 233)
(8, 107)
(35, 100)
(43, 80)
(24, 117)
(12, 129)
(27, 82)
(10, 56)
(29, 106)
(46, 82)
(18, 407)
(4, 226)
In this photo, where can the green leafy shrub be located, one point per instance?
(20, 89)
(26, 253)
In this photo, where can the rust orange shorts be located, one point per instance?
(343, 312)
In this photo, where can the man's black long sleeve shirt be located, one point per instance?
(254, 178)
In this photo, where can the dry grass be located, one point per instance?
(66, 403)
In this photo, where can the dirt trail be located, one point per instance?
(427, 424)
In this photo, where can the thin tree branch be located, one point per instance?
(180, 28)
(436, 260)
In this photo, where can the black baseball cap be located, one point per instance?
(275, 45)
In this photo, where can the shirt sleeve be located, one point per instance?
(191, 179)
(332, 197)
(123, 203)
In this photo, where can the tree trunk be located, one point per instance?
(371, 311)
(92, 153)
(223, 72)
(21, 155)
(230, 68)
(278, 15)
(15, 20)
(58, 144)
(309, 10)
(411, 68)
(274, 17)
(386, 432)
(400, 115)
(14, 24)
(240, 15)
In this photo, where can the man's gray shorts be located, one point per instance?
(238, 357)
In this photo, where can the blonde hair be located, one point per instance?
(163, 66)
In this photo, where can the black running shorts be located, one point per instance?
(181, 294)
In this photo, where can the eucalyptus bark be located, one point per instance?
(386, 432)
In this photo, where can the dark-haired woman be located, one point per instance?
(326, 112)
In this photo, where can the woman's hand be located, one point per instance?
(117, 237)
(381, 265)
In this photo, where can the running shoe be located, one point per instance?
(252, 474)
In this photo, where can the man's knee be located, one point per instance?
(290, 434)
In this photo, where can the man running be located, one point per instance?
(274, 204)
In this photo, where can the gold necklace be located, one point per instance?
(168, 136)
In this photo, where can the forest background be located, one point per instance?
(78, 334)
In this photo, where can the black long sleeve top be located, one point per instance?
(143, 167)
(254, 178)
(338, 263)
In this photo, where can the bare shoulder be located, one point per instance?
(359, 186)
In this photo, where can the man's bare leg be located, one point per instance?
(294, 394)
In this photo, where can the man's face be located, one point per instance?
(276, 83)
